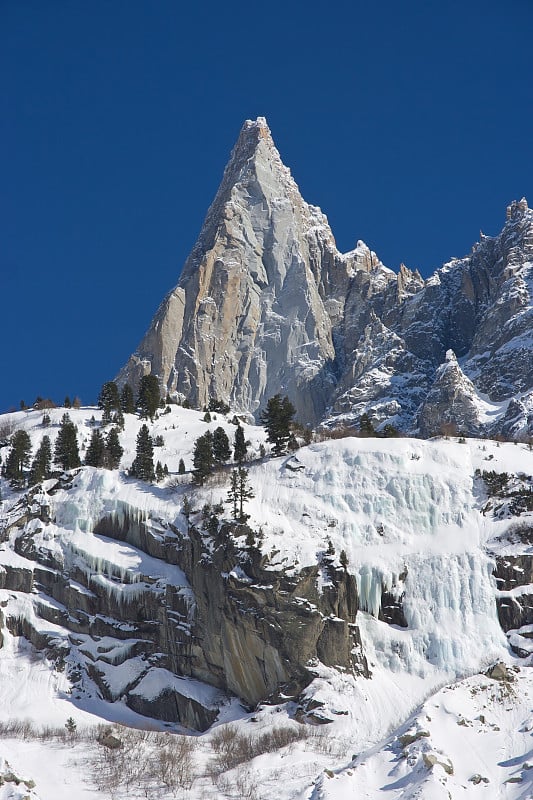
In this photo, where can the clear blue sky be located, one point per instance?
(409, 123)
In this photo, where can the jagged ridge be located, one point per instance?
(266, 303)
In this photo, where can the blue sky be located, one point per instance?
(409, 123)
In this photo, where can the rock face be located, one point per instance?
(450, 405)
(202, 618)
(267, 304)
(247, 318)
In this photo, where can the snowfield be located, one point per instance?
(409, 516)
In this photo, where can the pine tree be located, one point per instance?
(221, 448)
(114, 450)
(159, 472)
(277, 419)
(143, 465)
(207, 417)
(96, 455)
(233, 493)
(239, 446)
(389, 431)
(365, 426)
(127, 401)
(118, 419)
(239, 493)
(66, 451)
(42, 462)
(109, 398)
(245, 492)
(343, 559)
(67, 403)
(18, 458)
(218, 406)
(203, 459)
(181, 467)
(149, 396)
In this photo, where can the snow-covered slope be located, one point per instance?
(421, 539)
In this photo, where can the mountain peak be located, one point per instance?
(259, 125)
(517, 208)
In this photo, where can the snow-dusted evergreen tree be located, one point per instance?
(118, 419)
(143, 465)
(109, 397)
(277, 418)
(239, 446)
(366, 427)
(239, 493)
(66, 452)
(203, 459)
(95, 455)
(18, 458)
(42, 462)
(221, 448)
(149, 396)
(108, 401)
(127, 401)
(114, 450)
(181, 467)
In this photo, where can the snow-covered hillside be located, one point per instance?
(419, 533)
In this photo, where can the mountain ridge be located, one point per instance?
(266, 303)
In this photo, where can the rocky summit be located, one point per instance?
(266, 304)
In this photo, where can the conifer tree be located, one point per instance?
(109, 398)
(96, 455)
(66, 451)
(127, 401)
(239, 493)
(108, 401)
(18, 458)
(233, 494)
(203, 459)
(277, 419)
(218, 406)
(181, 467)
(221, 448)
(118, 419)
(67, 403)
(114, 450)
(239, 445)
(143, 465)
(149, 396)
(365, 426)
(159, 472)
(42, 462)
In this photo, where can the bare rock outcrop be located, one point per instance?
(266, 304)
(247, 318)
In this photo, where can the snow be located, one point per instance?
(406, 512)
